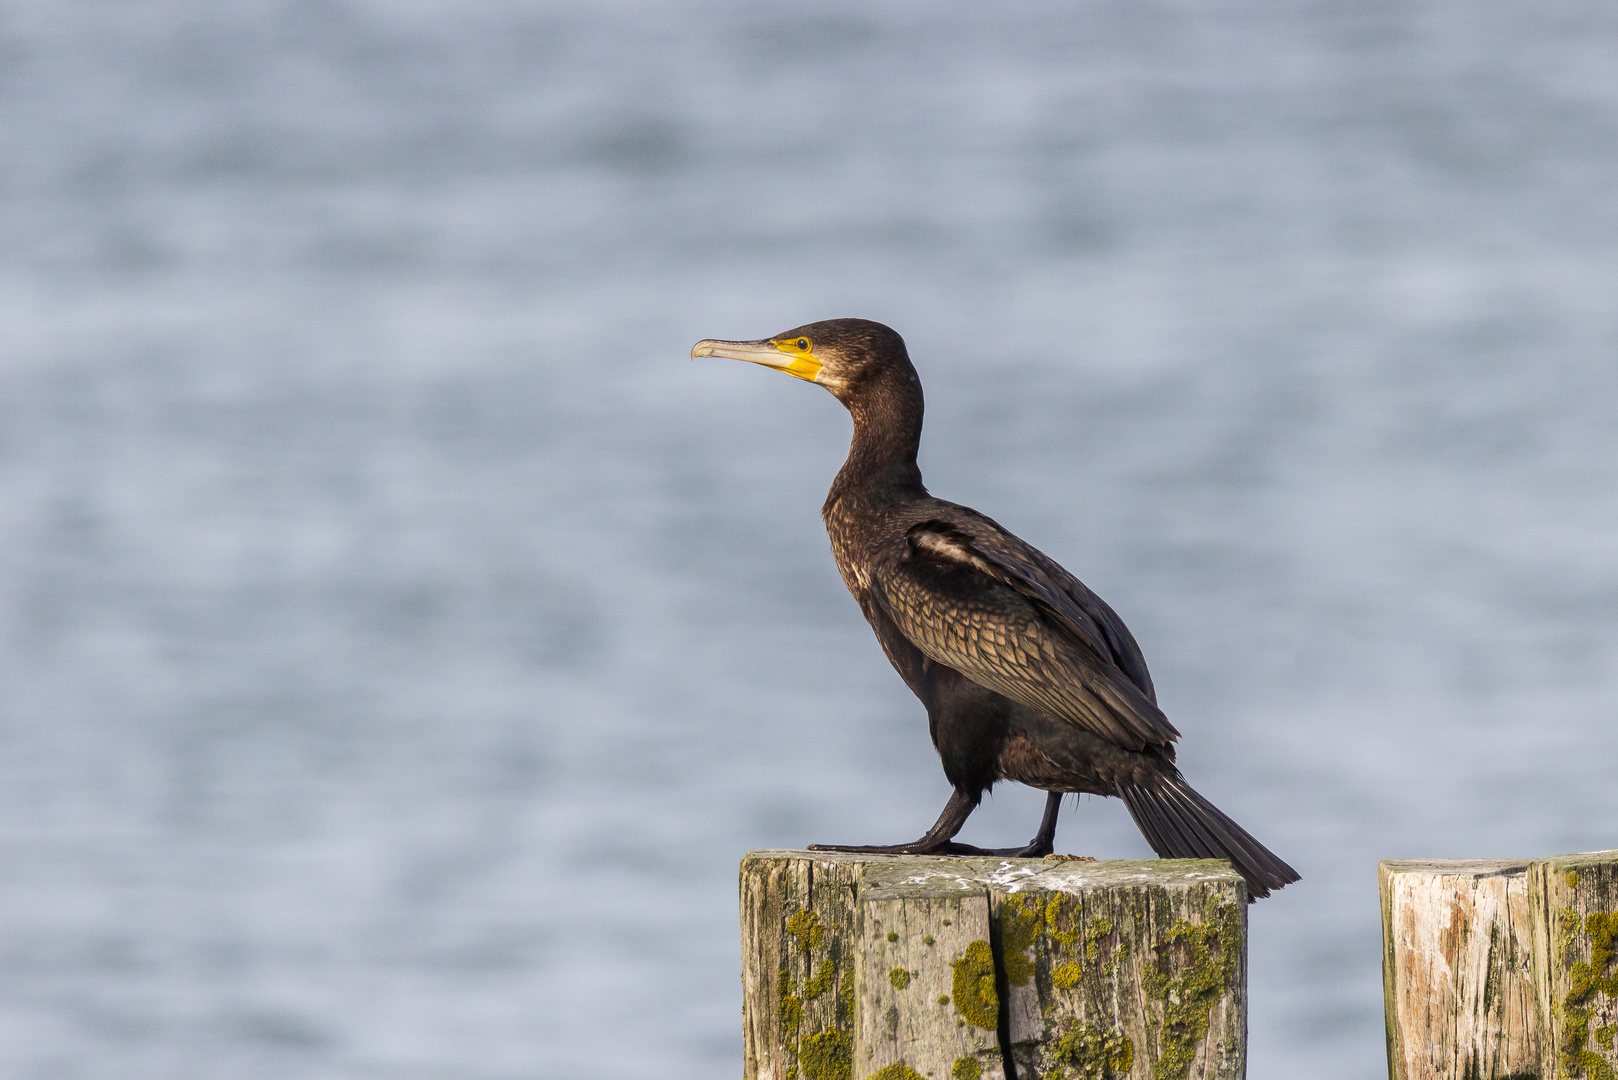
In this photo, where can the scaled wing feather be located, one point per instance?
(1012, 628)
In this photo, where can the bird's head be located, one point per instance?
(839, 354)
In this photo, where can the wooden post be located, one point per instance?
(1458, 992)
(1501, 970)
(870, 967)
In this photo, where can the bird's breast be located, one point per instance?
(850, 548)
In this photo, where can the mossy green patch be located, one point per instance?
(805, 926)
(826, 1055)
(1193, 970)
(1019, 928)
(927, 939)
(973, 986)
(1067, 976)
(791, 1006)
(966, 1069)
(1567, 928)
(899, 977)
(824, 977)
(1588, 978)
(1094, 935)
(1572, 879)
(1062, 919)
(1065, 924)
(893, 935)
(1095, 1054)
(901, 1071)
(943, 999)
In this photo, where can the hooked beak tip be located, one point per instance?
(764, 352)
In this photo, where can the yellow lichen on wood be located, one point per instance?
(973, 986)
(896, 1071)
(966, 1069)
(1589, 978)
(1193, 970)
(1094, 1054)
(1501, 969)
(1067, 976)
(892, 968)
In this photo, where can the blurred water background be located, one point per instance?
(401, 641)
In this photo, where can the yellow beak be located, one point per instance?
(784, 356)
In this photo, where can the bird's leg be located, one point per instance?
(1040, 846)
(1044, 842)
(938, 841)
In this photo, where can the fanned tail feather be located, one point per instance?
(1181, 824)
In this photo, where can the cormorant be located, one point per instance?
(1026, 674)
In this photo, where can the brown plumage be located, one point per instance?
(1026, 674)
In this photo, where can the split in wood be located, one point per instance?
(1500, 969)
(869, 967)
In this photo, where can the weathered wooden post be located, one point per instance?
(1458, 993)
(1501, 970)
(870, 967)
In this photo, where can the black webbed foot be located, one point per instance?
(1034, 849)
(1037, 848)
(924, 846)
(938, 839)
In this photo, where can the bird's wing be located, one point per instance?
(970, 596)
(1120, 642)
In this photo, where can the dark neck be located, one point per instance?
(887, 434)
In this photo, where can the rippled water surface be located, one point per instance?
(401, 641)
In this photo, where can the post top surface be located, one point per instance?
(950, 873)
(1489, 867)
(1454, 867)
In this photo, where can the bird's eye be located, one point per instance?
(803, 344)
